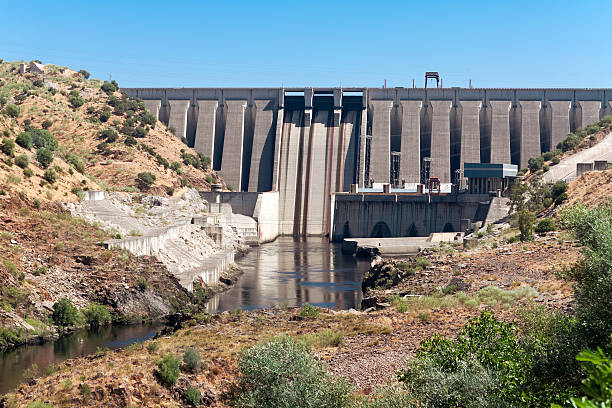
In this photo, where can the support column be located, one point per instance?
(348, 141)
(262, 155)
(153, 106)
(530, 131)
(470, 132)
(440, 140)
(305, 159)
(410, 160)
(288, 170)
(205, 129)
(590, 112)
(317, 174)
(500, 131)
(362, 148)
(231, 163)
(279, 114)
(560, 122)
(380, 151)
(178, 116)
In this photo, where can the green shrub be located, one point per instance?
(561, 198)
(569, 143)
(109, 87)
(421, 263)
(559, 188)
(545, 225)
(525, 220)
(85, 392)
(176, 166)
(42, 270)
(152, 346)
(535, 164)
(555, 160)
(548, 156)
(84, 73)
(140, 132)
(105, 115)
(12, 110)
(109, 135)
(283, 373)
(168, 370)
(43, 138)
(46, 124)
(308, 310)
(97, 315)
(76, 162)
(145, 180)
(75, 99)
(192, 396)
(8, 147)
(22, 161)
(28, 173)
(64, 313)
(40, 404)
(24, 139)
(192, 360)
(130, 141)
(545, 168)
(142, 284)
(50, 175)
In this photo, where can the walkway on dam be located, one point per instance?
(566, 169)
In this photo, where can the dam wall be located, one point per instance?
(308, 143)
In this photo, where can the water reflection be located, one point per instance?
(295, 272)
(77, 344)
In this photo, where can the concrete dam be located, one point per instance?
(308, 143)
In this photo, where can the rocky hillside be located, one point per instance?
(62, 133)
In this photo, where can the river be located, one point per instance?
(285, 271)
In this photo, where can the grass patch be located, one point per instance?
(322, 339)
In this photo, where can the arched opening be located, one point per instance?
(412, 231)
(346, 232)
(381, 230)
(448, 227)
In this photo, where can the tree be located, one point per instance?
(145, 180)
(97, 315)
(526, 219)
(84, 73)
(24, 139)
(65, 313)
(44, 157)
(8, 147)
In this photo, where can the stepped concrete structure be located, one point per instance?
(308, 143)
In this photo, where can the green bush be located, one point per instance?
(555, 160)
(559, 188)
(152, 346)
(168, 370)
(28, 173)
(105, 115)
(545, 225)
(97, 315)
(109, 135)
(12, 110)
(46, 124)
(84, 73)
(50, 175)
(8, 147)
(76, 162)
(545, 168)
(64, 313)
(145, 180)
(548, 156)
(283, 373)
(22, 161)
(525, 220)
(75, 99)
(43, 138)
(535, 164)
(570, 142)
(193, 396)
(130, 141)
(140, 132)
(308, 310)
(24, 139)
(110, 87)
(176, 166)
(561, 198)
(192, 360)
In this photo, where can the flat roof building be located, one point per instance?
(484, 178)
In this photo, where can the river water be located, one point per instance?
(285, 271)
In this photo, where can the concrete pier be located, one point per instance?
(410, 160)
(470, 132)
(178, 116)
(530, 131)
(440, 140)
(231, 164)
(317, 175)
(348, 150)
(380, 154)
(262, 154)
(590, 112)
(153, 106)
(500, 131)
(288, 179)
(560, 122)
(205, 129)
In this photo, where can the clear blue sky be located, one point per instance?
(317, 43)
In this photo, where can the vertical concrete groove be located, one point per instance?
(410, 160)
(440, 140)
(178, 116)
(362, 148)
(500, 131)
(279, 114)
(205, 129)
(231, 163)
(380, 154)
(530, 131)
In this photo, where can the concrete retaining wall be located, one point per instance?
(266, 214)
(91, 195)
